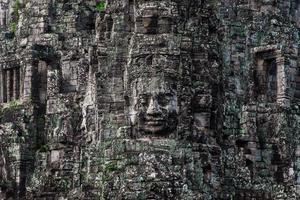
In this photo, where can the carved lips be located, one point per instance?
(154, 121)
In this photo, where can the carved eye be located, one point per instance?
(150, 24)
(142, 101)
(164, 99)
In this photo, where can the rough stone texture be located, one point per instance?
(150, 99)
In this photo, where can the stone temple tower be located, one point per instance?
(149, 99)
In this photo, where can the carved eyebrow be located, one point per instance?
(143, 96)
(165, 94)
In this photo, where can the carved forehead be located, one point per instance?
(156, 59)
(154, 65)
(155, 84)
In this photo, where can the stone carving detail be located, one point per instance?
(153, 88)
(297, 83)
(149, 99)
(42, 81)
(10, 79)
(270, 76)
(154, 104)
(266, 80)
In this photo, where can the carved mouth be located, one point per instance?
(155, 122)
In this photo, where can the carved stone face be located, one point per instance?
(156, 17)
(154, 106)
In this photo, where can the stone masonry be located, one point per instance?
(149, 99)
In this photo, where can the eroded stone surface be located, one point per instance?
(147, 99)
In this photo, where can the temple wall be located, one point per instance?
(136, 99)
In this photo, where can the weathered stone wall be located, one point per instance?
(148, 99)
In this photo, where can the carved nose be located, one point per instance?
(153, 107)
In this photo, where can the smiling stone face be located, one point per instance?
(154, 106)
